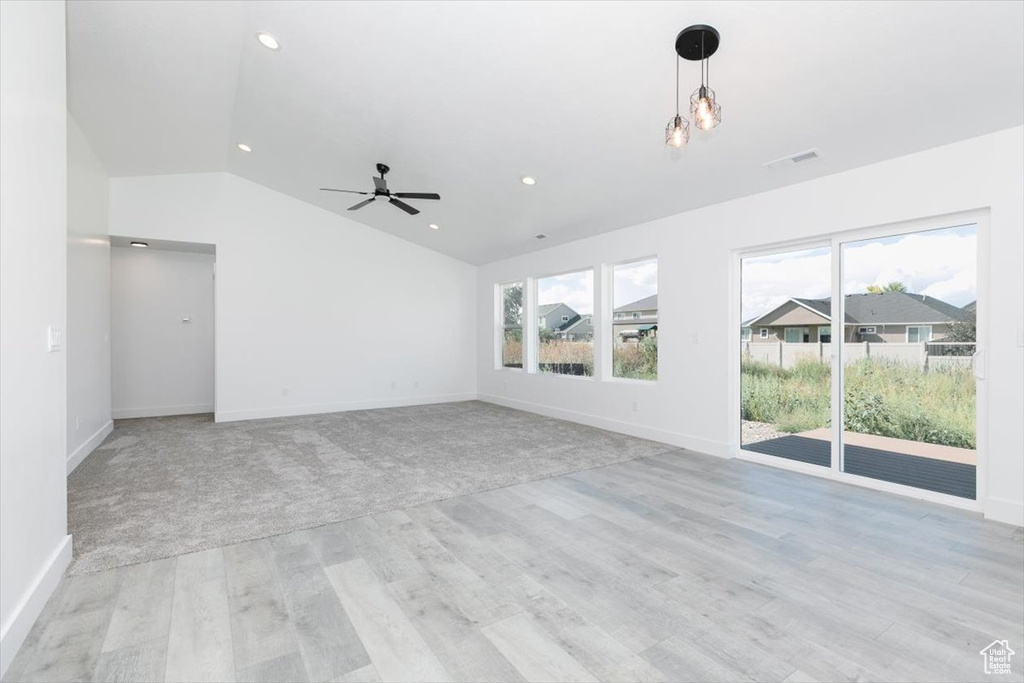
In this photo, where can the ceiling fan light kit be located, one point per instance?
(382, 193)
(696, 44)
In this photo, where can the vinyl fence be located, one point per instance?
(933, 355)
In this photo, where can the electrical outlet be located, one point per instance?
(636, 406)
(416, 384)
(285, 391)
(504, 386)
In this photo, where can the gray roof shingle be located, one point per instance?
(889, 308)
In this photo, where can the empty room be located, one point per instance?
(511, 341)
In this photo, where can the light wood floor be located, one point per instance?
(671, 568)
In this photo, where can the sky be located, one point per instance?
(939, 263)
(574, 289)
(633, 281)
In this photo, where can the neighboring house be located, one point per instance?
(564, 322)
(580, 329)
(886, 317)
(555, 316)
(636, 320)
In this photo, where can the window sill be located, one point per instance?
(631, 380)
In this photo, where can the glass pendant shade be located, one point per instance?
(677, 132)
(706, 112)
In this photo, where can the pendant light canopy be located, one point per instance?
(695, 43)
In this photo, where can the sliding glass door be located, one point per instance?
(909, 395)
(785, 352)
(859, 357)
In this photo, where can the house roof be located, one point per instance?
(544, 309)
(887, 308)
(578, 321)
(645, 304)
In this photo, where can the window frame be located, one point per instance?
(535, 281)
(626, 317)
(803, 331)
(503, 328)
(763, 332)
(828, 329)
(919, 328)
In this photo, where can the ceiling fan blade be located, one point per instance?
(416, 195)
(380, 184)
(331, 189)
(405, 207)
(361, 204)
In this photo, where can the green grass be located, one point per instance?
(885, 398)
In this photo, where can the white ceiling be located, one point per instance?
(463, 98)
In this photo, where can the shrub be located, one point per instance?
(883, 397)
(636, 361)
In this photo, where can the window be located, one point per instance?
(825, 334)
(745, 334)
(566, 356)
(866, 330)
(796, 335)
(635, 344)
(511, 325)
(919, 333)
(764, 333)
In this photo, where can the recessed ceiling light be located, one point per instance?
(435, 226)
(141, 245)
(540, 236)
(268, 41)
(528, 180)
(244, 147)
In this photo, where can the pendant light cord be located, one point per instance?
(677, 85)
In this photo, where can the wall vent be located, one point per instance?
(793, 160)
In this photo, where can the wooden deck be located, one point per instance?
(943, 475)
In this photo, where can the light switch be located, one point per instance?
(54, 338)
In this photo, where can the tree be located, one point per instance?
(965, 329)
(513, 305)
(894, 286)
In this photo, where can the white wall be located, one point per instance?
(690, 404)
(88, 302)
(34, 545)
(161, 365)
(314, 312)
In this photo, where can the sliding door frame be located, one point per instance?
(978, 217)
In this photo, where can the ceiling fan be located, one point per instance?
(382, 192)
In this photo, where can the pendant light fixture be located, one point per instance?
(677, 132)
(697, 43)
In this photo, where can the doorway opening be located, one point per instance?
(162, 327)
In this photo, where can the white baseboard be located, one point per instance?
(14, 630)
(80, 453)
(693, 443)
(161, 411)
(1001, 510)
(316, 409)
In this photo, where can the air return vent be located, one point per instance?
(793, 160)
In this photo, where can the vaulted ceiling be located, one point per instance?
(464, 98)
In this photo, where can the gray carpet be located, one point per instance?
(159, 487)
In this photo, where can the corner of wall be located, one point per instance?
(14, 631)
